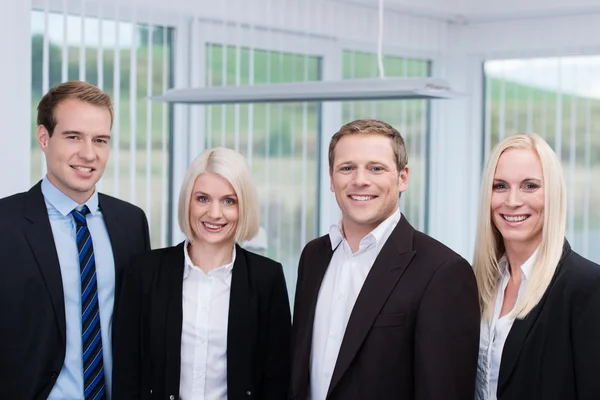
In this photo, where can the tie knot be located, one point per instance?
(79, 215)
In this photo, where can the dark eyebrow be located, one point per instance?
(72, 133)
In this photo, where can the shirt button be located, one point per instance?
(248, 393)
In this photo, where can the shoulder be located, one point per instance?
(260, 265)
(578, 276)
(317, 245)
(434, 253)
(153, 263)
(156, 256)
(11, 205)
(112, 204)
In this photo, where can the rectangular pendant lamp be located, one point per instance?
(314, 91)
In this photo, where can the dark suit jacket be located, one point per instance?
(414, 329)
(149, 321)
(33, 327)
(554, 352)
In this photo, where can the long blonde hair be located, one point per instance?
(489, 245)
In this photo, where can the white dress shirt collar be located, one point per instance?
(220, 271)
(525, 268)
(379, 235)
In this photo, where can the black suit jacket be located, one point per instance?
(414, 329)
(554, 352)
(33, 327)
(148, 325)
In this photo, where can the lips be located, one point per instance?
(361, 197)
(515, 218)
(82, 168)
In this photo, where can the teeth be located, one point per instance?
(361, 198)
(82, 169)
(518, 218)
(211, 226)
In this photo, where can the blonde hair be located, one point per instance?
(371, 127)
(232, 166)
(489, 246)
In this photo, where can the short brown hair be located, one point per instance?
(70, 90)
(371, 127)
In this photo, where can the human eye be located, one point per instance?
(202, 199)
(346, 168)
(499, 186)
(377, 168)
(102, 141)
(530, 186)
(229, 201)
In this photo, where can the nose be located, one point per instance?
(360, 177)
(86, 150)
(513, 199)
(214, 210)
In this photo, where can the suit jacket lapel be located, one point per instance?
(314, 269)
(387, 269)
(118, 239)
(41, 241)
(519, 332)
(241, 329)
(173, 261)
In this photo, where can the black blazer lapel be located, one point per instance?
(314, 269)
(241, 327)
(387, 269)
(41, 240)
(519, 331)
(174, 261)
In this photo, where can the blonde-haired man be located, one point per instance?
(382, 311)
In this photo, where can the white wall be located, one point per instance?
(15, 73)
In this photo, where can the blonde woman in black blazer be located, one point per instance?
(540, 301)
(206, 319)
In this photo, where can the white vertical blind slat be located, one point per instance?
(133, 108)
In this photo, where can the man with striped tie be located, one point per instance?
(63, 250)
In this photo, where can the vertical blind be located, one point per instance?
(279, 142)
(130, 60)
(409, 117)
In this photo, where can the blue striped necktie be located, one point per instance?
(91, 334)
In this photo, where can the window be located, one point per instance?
(409, 117)
(558, 98)
(279, 142)
(108, 54)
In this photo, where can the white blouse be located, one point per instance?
(204, 331)
(494, 333)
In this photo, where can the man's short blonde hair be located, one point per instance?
(232, 166)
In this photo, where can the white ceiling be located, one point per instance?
(485, 10)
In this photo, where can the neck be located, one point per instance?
(78, 197)
(518, 253)
(355, 233)
(208, 256)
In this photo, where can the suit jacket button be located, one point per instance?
(248, 393)
(171, 397)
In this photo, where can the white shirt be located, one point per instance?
(204, 331)
(339, 290)
(494, 333)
